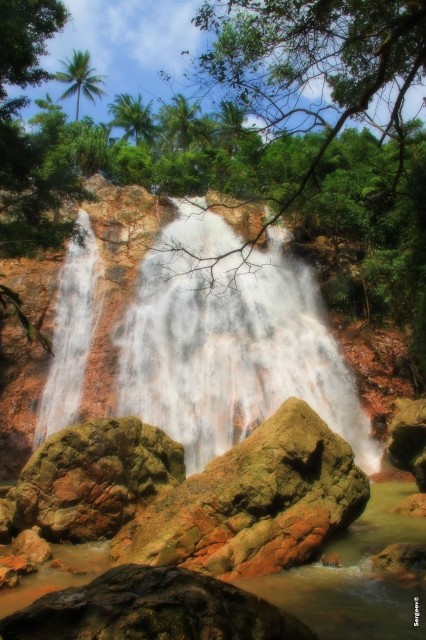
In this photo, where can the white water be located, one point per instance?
(197, 360)
(75, 320)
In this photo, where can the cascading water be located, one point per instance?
(205, 362)
(75, 319)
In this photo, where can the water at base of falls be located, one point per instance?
(74, 323)
(211, 348)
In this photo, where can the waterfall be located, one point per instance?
(207, 362)
(75, 319)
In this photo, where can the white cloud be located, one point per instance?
(82, 32)
(152, 33)
(162, 34)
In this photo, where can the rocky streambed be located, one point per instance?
(287, 495)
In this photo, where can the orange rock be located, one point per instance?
(29, 544)
(18, 563)
(8, 578)
(414, 505)
(378, 357)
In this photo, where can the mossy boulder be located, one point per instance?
(7, 509)
(86, 481)
(406, 445)
(144, 603)
(266, 504)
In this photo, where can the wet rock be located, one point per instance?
(8, 578)
(29, 544)
(20, 564)
(414, 505)
(268, 503)
(7, 510)
(125, 220)
(406, 445)
(86, 481)
(402, 560)
(379, 358)
(245, 218)
(145, 603)
(331, 560)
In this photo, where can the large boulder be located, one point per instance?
(86, 481)
(406, 445)
(266, 504)
(143, 603)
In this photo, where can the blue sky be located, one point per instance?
(130, 42)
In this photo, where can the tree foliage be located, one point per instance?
(25, 25)
(179, 123)
(136, 119)
(304, 69)
(270, 52)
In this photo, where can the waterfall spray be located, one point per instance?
(75, 319)
(210, 349)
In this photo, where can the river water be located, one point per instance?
(347, 602)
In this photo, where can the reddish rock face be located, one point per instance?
(246, 220)
(24, 367)
(378, 358)
(125, 221)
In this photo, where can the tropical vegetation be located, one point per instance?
(362, 187)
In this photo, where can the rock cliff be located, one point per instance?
(125, 221)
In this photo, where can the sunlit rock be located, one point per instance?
(86, 481)
(268, 503)
(414, 505)
(29, 544)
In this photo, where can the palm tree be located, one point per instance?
(179, 121)
(135, 118)
(231, 118)
(80, 76)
